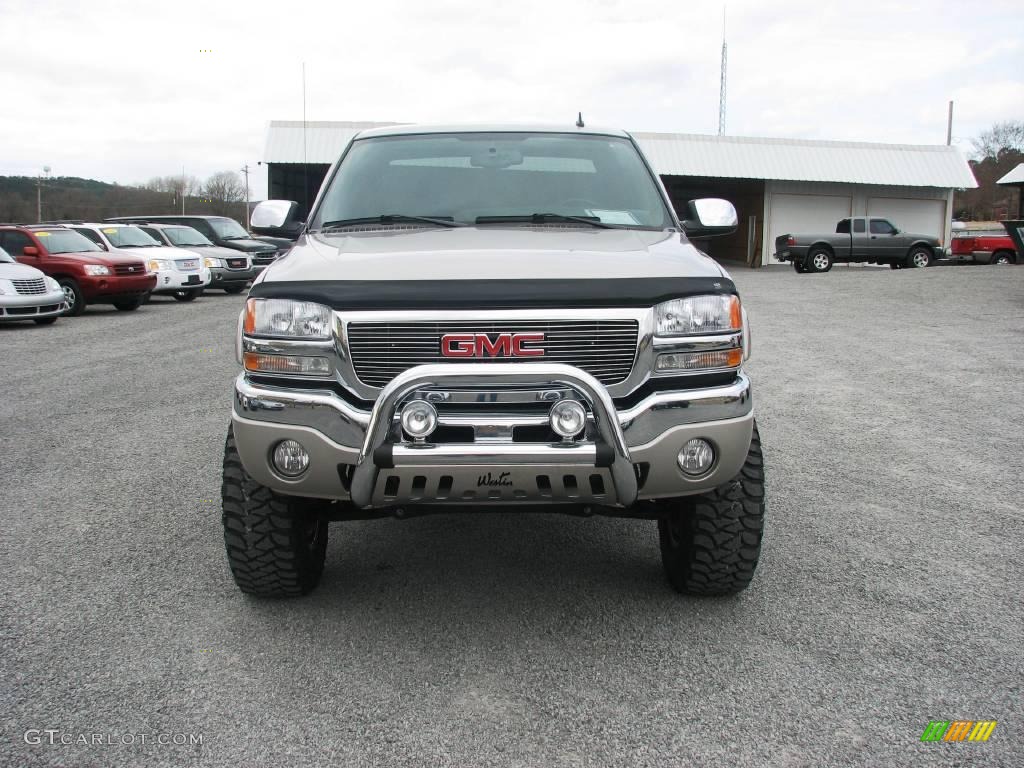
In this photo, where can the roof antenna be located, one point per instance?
(579, 120)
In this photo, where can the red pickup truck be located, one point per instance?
(87, 274)
(987, 247)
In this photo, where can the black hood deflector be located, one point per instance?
(491, 294)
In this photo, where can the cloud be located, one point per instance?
(126, 91)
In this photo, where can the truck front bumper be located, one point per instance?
(626, 455)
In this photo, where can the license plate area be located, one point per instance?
(192, 280)
(480, 484)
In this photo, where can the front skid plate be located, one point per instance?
(493, 485)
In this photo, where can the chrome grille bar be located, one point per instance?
(605, 348)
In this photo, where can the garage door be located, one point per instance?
(791, 214)
(920, 217)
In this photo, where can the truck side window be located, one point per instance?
(881, 227)
(843, 227)
(858, 226)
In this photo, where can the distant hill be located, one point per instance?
(70, 197)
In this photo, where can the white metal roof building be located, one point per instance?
(777, 185)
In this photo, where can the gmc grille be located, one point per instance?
(31, 287)
(603, 348)
(264, 258)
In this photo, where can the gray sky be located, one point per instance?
(123, 91)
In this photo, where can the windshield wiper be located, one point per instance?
(540, 218)
(389, 218)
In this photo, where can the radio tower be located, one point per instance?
(721, 87)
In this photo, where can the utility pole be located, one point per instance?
(245, 171)
(721, 87)
(949, 126)
(39, 194)
(184, 182)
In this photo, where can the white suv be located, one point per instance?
(179, 272)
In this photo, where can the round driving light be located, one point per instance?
(419, 419)
(696, 457)
(567, 418)
(290, 458)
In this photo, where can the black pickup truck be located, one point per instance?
(865, 239)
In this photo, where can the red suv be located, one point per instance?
(87, 274)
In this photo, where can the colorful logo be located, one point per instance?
(958, 730)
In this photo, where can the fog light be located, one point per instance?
(419, 419)
(567, 418)
(696, 457)
(290, 458)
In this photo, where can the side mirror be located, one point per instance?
(277, 218)
(30, 250)
(710, 217)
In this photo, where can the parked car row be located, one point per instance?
(61, 267)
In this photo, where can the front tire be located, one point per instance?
(819, 260)
(276, 545)
(190, 295)
(73, 296)
(710, 544)
(234, 288)
(920, 258)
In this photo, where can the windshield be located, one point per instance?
(5, 258)
(128, 237)
(463, 177)
(229, 229)
(66, 241)
(185, 236)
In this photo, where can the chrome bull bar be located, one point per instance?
(591, 391)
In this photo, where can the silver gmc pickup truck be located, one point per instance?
(493, 318)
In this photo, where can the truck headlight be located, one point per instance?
(287, 318)
(156, 265)
(698, 314)
(211, 263)
(96, 269)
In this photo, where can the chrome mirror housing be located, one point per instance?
(276, 217)
(709, 217)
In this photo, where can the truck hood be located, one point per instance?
(213, 251)
(492, 266)
(249, 246)
(156, 252)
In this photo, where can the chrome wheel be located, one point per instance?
(921, 259)
(69, 295)
(1002, 258)
(820, 261)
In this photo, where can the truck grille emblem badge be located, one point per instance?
(491, 345)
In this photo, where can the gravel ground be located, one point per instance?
(889, 591)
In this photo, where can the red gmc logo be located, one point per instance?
(482, 345)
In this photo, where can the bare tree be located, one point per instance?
(999, 139)
(224, 192)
